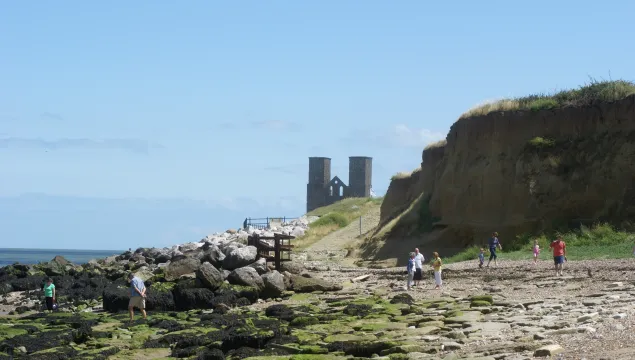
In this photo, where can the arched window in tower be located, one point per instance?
(341, 191)
(330, 190)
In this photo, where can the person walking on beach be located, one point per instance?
(493, 244)
(419, 259)
(436, 264)
(49, 294)
(137, 296)
(536, 251)
(410, 268)
(481, 258)
(559, 249)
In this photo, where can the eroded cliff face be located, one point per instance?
(402, 192)
(522, 171)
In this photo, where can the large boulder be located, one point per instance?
(247, 276)
(189, 247)
(56, 267)
(228, 246)
(292, 267)
(274, 284)
(260, 265)
(159, 255)
(239, 257)
(61, 260)
(181, 266)
(137, 258)
(302, 284)
(213, 255)
(144, 273)
(188, 296)
(209, 276)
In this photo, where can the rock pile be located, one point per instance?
(218, 272)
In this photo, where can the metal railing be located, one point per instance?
(265, 223)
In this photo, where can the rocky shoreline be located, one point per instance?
(216, 261)
(213, 300)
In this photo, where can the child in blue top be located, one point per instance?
(481, 258)
(411, 270)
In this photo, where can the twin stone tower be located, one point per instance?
(323, 190)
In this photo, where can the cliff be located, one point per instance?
(520, 171)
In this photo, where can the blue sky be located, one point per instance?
(149, 123)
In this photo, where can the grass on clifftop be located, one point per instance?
(334, 217)
(404, 174)
(605, 91)
(599, 242)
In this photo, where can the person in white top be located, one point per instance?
(419, 259)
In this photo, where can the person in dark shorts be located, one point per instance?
(493, 243)
(559, 249)
(49, 294)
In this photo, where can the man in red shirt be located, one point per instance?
(559, 248)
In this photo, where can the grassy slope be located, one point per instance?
(334, 217)
(606, 91)
(599, 242)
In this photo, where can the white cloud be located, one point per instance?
(409, 137)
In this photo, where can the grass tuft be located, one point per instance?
(405, 174)
(335, 218)
(438, 144)
(594, 91)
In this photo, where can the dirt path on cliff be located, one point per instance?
(334, 246)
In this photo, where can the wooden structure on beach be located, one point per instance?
(276, 248)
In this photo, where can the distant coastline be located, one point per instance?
(10, 256)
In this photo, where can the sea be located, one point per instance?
(10, 256)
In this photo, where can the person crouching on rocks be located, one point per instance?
(137, 296)
(436, 264)
(49, 294)
(410, 268)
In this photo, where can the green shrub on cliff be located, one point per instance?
(540, 142)
(594, 91)
(332, 219)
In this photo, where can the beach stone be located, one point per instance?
(465, 317)
(260, 266)
(447, 346)
(588, 317)
(213, 255)
(548, 350)
(274, 284)
(240, 257)
(293, 267)
(56, 267)
(181, 266)
(144, 274)
(209, 276)
(303, 284)
(247, 276)
(160, 255)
